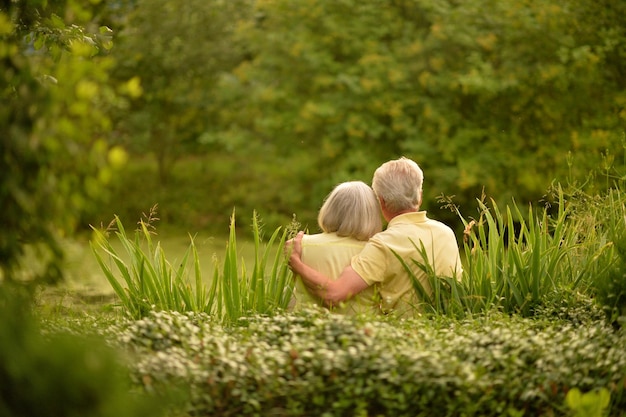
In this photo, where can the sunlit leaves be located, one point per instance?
(57, 95)
(173, 53)
(455, 87)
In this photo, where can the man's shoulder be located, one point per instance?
(436, 224)
(402, 229)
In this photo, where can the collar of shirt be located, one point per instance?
(416, 217)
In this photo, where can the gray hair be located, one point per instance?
(351, 210)
(399, 184)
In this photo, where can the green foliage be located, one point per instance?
(151, 280)
(305, 95)
(589, 404)
(176, 52)
(610, 287)
(203, 190)
(517, 266)
(55, 91)
(354, 83)
(152, 283)
(603, 218)
(59, 374)
(317, 363)
(241, 293)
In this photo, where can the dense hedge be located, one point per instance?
(314, 363)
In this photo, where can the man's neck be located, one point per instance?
(388, 216)
(415, 210)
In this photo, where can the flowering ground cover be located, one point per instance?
(315, 363)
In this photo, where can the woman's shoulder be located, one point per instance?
(330, 238)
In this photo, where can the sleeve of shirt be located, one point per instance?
(371, 263)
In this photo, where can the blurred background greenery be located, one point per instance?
(205, 107)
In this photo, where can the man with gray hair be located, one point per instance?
(409, 235)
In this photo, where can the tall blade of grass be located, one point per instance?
(423, 295)
(257, 284)
(117, 287)
(493, 245)
(183, 295)
(538, 249)
(153, 282)
(230, 283)
(496, 238)
(284, 284)
(214, 294)
(519, 276)
(132, 249)
(126, 296)
(147, 274)
(128, 247)
(200, 300)
(137, 258)
(513, 298)
(477, 279)
(121, 266)
(175, 286)
(447, 294)
(430, 296)
(154, 272)
(245, 291)
(282, 276)
(161, 280)
(279, 291)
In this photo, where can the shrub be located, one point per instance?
(60, 374)
(607, 218)
(317, 363)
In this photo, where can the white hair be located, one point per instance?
(399, 184)
(351, 209)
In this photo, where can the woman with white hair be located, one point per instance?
(349, 216)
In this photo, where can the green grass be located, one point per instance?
(145, 279)
(86, 289)
(517, 262)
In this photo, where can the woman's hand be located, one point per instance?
(293, 249)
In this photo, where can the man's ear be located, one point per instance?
(383, 209)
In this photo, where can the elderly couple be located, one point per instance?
(351, 267)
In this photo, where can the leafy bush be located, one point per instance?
(56, 94)
(60, 374)
(590, 404)
(606, 219)
(611, 287)
(316, 363)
